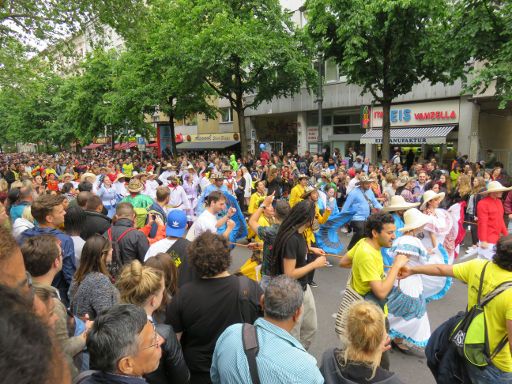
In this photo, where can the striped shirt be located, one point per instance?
(281, 358)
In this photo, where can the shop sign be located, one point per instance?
(101, 140)
(365, 116)
(312, 134)
(202, 138)
(403, 115)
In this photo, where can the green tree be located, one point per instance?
(150, 77)
(385, 46)
(246, 51)
(482, 33)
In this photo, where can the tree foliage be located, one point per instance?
(246, 51)
(385, 46)
(482, 35)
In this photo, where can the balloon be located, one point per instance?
(262, 146)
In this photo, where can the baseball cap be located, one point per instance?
(176, 223)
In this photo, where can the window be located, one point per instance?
(226, 115)
(331, 70)
(344, 124)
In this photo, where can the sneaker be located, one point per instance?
(313, 284)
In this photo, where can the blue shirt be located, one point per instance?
(281, 358)
(356, 202)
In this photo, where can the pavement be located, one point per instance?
(331, 281)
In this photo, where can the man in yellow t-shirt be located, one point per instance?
(297, 191)
(498, 313)
(365, 258)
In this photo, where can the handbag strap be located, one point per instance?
(251, 349)
(368, 200)
(480, 285)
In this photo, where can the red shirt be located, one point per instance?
(490, 220)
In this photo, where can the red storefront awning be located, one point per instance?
(92, 146)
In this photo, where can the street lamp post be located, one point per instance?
(320, 100)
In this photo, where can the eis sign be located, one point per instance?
(431, 113)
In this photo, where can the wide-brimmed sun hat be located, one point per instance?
(365, 179)
(308, 191)
(414, 219)
(217, 176)
(171, 167)
(404, 180)
(135, 185)
(431, 195)
(495, 186)
(87, 175)
(398, 203)
(302, 176)
(119, 176)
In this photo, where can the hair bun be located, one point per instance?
(136, 270)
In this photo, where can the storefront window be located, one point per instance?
(346, 124)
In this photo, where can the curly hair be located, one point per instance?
(209, 254)
(376, 222)
(503, 256)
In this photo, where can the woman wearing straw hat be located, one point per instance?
(433, 237)
(408, 320)
(397, 206)
(491, 224)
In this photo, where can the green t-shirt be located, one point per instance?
(367, 265)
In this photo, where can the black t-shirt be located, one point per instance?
(296, 248)
(202, 310)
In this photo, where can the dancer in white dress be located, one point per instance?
(434, 235)
(407, 306)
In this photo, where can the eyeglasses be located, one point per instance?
(27, 284)
(156, 339)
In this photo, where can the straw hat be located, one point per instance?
(86, 175)
(404, 180)
(308, 191)
(302, 176)
(152, 175)
(170, 166)
(217, 176)
(431, 195)
(67, 175)
(226, 168)
(120, 176)
(365, 179)
(413, 219)
(495, 186)
(135, 186)
(398, 203)
(191, 167)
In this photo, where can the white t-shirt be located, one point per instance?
(205, 222)
(161, 246)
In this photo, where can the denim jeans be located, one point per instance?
(488, 375)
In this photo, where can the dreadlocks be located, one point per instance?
(301, 214)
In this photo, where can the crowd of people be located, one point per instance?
(116, 268)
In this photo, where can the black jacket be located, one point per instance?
(353, 373)
(133, 245)
(108, 378)
(94, 223)
(172, 367)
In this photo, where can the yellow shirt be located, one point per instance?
(367, 265)
(255, 201)
(296, 195)
(128, 169)
(262, 222)
(322, 219)
(498, 311)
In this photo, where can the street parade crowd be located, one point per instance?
(115, 267)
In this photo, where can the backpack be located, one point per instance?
(470, 334)
(117, 257)
(141, 215)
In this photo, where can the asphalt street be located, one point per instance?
(331, 282)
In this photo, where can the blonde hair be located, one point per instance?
(366, 331)
(137, 283)
(464, 185)
(27, 214)
(4, 186)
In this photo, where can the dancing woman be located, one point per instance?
(408, 320)
(433, 237)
